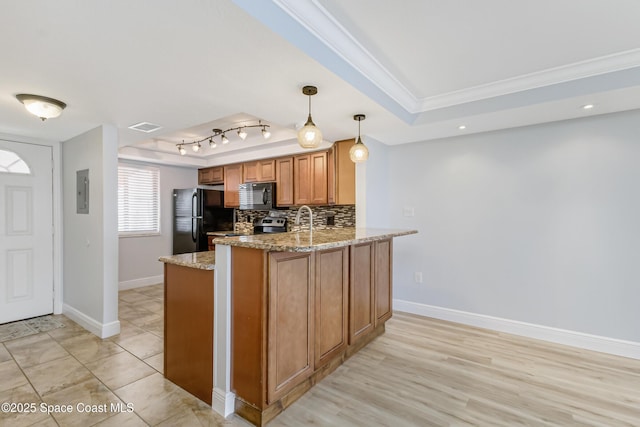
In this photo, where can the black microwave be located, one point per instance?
(259, 196)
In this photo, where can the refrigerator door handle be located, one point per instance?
(194, 221)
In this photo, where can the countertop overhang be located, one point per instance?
(201, 260)
(303, 241)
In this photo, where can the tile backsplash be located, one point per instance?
(343, 216)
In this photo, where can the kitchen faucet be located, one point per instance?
(310, 217)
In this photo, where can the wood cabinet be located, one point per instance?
(318, 178)
(259, 171)
(213, 175)
(331, 304)
(361, 292)
(383, 277)
(232, 180)
(188, 329)
(284, 181)
(310, 179)
(290, 322)
(296, 316)
(342, 179)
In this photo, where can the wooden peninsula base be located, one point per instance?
(296, 316)
(285, 311)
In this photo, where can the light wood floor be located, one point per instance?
(427, 372)
(421, 372)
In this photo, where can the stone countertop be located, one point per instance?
(303, 241)
(201, 260)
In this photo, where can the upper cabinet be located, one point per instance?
(284, 181)
(344, 173)
(214, 175)
(310, 179)
(232, 180)
(260, 171)
(316, 178)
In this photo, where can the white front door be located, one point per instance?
(26, 231)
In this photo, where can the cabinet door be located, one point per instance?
(290, 340)
(383, 279)
(319, 183)
(331, 300)
(284, 181)
(266, 170)
(302, 180)
(345, 173)
(232, 180)
(250, 172)
(214, 175)
(361, 291)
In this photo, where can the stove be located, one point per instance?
(270, 224)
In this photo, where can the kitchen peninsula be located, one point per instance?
(286, 310)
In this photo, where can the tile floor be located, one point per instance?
(71, 366)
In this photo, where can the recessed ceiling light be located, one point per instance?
(587, 106)
(145, 127)
(462, 127)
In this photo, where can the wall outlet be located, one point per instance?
(417, 277)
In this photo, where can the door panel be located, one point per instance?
(26, 233)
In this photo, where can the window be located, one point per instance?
(10, 162)
(138, 201)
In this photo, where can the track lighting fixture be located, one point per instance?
(41, 106)
(309, 136)
(359, 152)
(242, 133)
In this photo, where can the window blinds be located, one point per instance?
(138, 200)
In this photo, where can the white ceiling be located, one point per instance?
(417, 68)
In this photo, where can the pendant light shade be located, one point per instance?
(359, 152)
(41, 106)
(309, 136)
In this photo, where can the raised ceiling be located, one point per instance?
(417, 68)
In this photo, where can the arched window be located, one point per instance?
(10, 162)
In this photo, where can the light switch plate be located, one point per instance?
(408, 211)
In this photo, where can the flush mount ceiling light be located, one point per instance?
(41, 106)
(359, 152)
(309, 136)
(242, 133)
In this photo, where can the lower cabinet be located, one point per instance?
(331, 304)
(383, 277)
(296, 316)
(290, 322)
(361, 292)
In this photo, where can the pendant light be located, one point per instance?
(309, 136)
(41, 106)
(359, 152)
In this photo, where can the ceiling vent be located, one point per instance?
(145, 127)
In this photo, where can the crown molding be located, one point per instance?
(322, 25)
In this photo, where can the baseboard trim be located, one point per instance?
(602, 344)
(139, 283)
(223, 402)
(103, 330)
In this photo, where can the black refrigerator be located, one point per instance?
(195, 212)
